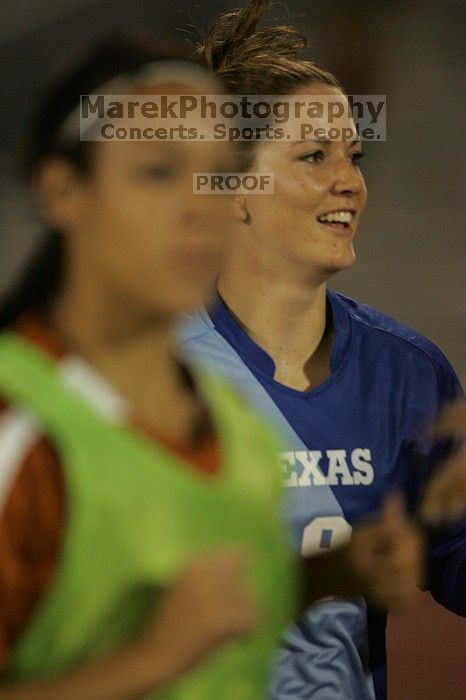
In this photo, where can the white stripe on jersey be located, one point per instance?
(84, 380)
(19, 432)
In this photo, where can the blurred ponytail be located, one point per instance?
(39, 282)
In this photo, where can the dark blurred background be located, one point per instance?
(412, 242)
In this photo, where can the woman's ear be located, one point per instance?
(59, 191)
(240, 212)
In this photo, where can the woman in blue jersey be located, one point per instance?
(141, 549)
(349, 388)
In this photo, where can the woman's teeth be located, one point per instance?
(342, 217)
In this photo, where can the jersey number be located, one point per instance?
(325, 533)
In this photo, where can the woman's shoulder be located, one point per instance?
(32, 507)
(24, 450)
(381, 330)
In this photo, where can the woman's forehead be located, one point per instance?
(316, 88)
(180, 152)
(181, 86)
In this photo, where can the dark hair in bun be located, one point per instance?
(249, 60)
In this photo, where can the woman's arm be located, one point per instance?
(207, 606)
(125, 675)
(445, 495)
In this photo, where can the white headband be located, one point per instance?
(156, 73)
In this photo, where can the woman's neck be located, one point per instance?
(134, 354)
(286, 317)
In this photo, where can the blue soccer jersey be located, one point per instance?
(348, 442)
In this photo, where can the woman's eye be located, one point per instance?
(357, 157)
(314, 157)
(158, 172)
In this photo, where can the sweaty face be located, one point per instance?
(319, 195)
(146, 235)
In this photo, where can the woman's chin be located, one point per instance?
(339, 262)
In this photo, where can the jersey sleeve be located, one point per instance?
(31, 523)
(446, 564)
